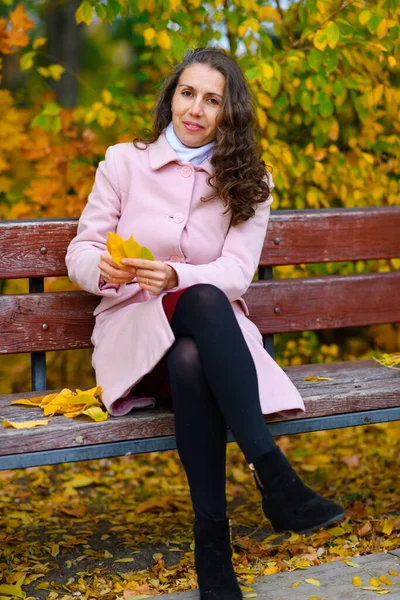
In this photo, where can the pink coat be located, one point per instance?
(154, 196)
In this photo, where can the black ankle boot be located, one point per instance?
(287, 502)
(213, 560)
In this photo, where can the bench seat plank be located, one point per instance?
(357, 386)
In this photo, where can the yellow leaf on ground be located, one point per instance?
(385, 580)
(24, 424)
(11, 590)
(357, 581)
(387, 526)
(375, 582)
(124, 560)
(312, 581)
(270, 570)
(295, 584)
(393, 573)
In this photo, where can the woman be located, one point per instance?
(198, 195)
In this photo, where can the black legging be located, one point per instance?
(214, 384)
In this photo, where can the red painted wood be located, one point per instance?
(307, 236)
(356, 386)
(324, 303)
(326, 235)
(49, 321)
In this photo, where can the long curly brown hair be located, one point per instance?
(239, 177)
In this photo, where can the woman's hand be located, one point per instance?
(112, 273)
(154, 276)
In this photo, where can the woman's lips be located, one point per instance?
(193, 127)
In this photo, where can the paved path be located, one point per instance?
(335, 578)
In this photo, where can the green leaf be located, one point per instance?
(373, 23)
(51, 109)
(326, 108)
(41, 120)
(338, 88)
(26, 60)
(101, 11)
(305, 100)
(314, 59)
(331, 60)
(277, 70)
(55, 125)
(282, 101)
(147, 254)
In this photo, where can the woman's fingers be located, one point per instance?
(113, 273)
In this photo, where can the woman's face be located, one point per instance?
(196, 103)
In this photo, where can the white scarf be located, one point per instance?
(196, 156)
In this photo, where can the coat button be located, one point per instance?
(179, 218)
(175, 259)
(186, 171)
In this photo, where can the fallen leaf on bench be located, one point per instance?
(313, 378)
(120, 248)
(96, 413)
(391, 361)
(69, 403)
(24, 424)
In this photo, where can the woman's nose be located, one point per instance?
(196, 108)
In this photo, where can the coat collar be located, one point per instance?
(161, 153)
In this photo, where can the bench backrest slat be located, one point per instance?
(37, 248)
(44, 322)
(275, 306)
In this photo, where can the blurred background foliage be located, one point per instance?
(79, 76)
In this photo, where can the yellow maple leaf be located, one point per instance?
(115, 247)
(132, 248)
(120, 248)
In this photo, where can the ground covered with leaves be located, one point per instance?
(122, 528)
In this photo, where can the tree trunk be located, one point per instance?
(64, 37)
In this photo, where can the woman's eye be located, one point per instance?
(213, 101)
(186, 93)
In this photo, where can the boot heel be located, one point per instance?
(213, 560)
(287, 502)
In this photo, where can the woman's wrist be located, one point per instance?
(172, 278)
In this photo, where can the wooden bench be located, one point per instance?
(361, 392)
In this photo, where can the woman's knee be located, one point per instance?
(183, 357)
(205, 296)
